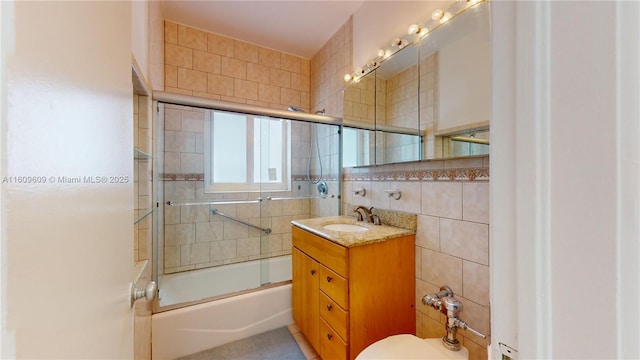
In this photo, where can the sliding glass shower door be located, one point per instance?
(230, 184)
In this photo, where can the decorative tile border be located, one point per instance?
(181, 177)
(467, 174)
(200, 177)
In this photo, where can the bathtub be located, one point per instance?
(199, 327)
(201, 284)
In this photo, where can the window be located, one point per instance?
(246, 153)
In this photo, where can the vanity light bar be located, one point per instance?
(415, 33)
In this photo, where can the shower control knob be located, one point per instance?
(329, 278)
(149, 292)
(329, 307)
(313, 272)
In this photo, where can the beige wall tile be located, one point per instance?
(219, 85)
(172, 119)
(245, 89)
(432, 328)
(205, 61)
(477, 317)
(178, 90)
(466, 240)
(209, 231)
(192, 79)
(178, 55)
(269, 58)
(442, 199)
(290, 63)
(475, 282)
(171, 75)
(192, 121)
(220, 45)
(300, 82)
(476, 352)
(428, 232)
(179, 141)
(171, 256)
(191, 163)
(170, 32)
(171, 162)
(269, 94)
(194, 214)
(246, 52)
(200, 253)
(179, 234)
(171, 214)
(290, 97)
(192, 38)
(234, 230)
(234, 68)
(179, 191)
(410, 198)
(441, 269)
(223, 250)
(258, 73)
(248, 246)
(279, 78)
(475, 202)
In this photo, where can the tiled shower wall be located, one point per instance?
(142, 179)
(194, 238)
(328, 67)
(451, 198)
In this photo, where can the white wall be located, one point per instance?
(67, 247)
(140, 35)
(565, 169)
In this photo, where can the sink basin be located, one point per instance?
(345, 227)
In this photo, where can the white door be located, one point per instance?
(67, 165)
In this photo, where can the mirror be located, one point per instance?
(455, 63)
(359, 107)
(397, 127)
(431, 98)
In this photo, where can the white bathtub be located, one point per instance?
(195, 328)
(201, 284)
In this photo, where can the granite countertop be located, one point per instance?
(376, 233)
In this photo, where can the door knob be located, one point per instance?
(149, 292)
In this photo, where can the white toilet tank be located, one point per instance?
(407, 346)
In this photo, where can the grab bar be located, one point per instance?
(216, 212)
(214, 202)
(272, 198)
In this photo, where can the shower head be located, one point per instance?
(296, 109)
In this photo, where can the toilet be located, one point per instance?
(407, 346)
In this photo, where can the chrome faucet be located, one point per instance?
(364, 214)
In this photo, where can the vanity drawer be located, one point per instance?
(325, 251)
(334, 315)
(331, 345)
(335, 286)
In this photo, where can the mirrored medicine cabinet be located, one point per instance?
(429, 100)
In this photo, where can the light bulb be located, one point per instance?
(381, 52)
(437, 14)
(413, 29)
(445, 17)
(347, 77)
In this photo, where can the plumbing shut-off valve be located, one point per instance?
(451, 307)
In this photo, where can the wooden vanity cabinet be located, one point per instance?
(346, 298)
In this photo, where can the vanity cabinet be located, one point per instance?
(346, 298)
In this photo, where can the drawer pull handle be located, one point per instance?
(329, 307)
(313, 272)
(329, 279)
(329, 336)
